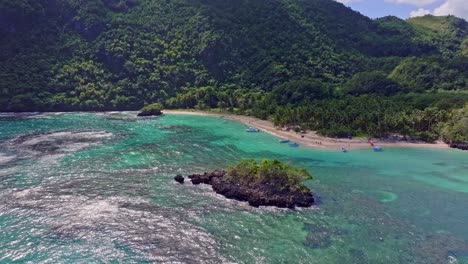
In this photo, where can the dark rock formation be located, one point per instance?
(264, 195)
(459, 145)
(179, 178)
(143, 114)
(206, 177)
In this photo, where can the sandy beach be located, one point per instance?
(310, 139)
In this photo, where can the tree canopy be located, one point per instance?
(274, 173)
(315, 64)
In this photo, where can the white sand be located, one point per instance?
(310, 139)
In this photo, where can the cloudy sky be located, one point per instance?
(409, 8)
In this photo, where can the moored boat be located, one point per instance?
(377, 149)
(284, 140)
(293, 145)
(252, 130)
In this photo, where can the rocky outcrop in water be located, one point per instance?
(264, 195)
(179, 178)
(460, 145)
(151, 110)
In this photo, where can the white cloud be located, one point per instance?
(413, 2)
(457, 8)
(420, 12)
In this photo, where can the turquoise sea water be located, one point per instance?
(99, 188)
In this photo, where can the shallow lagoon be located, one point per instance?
(92, 188)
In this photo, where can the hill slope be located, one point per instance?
(258, 56)
(446, 33)
(108, 54)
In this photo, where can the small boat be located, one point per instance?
(293, 145)
(284, 140)
(377, 149)
(344, 150)
(252, 130)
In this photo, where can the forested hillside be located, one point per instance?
(313, 63)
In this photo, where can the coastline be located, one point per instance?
(310, 139)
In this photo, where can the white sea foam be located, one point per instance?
(4, 158)
(66, 136)
(452, 260)
(95, 210)
(155, 233)
(54, 145)
(31, 115)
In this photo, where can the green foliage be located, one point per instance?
(456, 129)
(295, 92)
(314, 64)
(126, 53)
(446, 33)
(274, 173)
(369, 115)
(374, 82)
(432, 73)
(152, 109)
(464, 48)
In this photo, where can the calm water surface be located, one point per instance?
(98, 188)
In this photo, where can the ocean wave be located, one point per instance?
(5, 158)
(155, 233)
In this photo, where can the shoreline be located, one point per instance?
(310, 139)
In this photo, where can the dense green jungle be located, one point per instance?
(308, 64)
